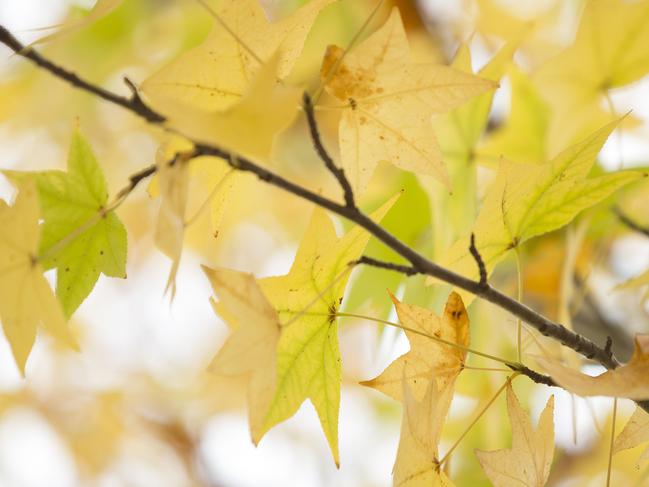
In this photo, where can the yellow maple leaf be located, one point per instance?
(251, 348)
(630, 380)
(635, 432)
(426, 357)
(217, 73)
(26, 299)
(610, 51)
(529, 460)
(417, 463)
(306, 299)
(388, 103)
(249, 126)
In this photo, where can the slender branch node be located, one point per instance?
(478, 259)
(338, 172)
(370, 261)
(533, 375)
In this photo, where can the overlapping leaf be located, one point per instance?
(81, 238)
(529, 460)
(251, 349)
(417, 462)
(609, 51)
(248, 127)
(426, 357)
(26, 299)
(527, 200)
(628, 380)
(388, 103)
(306, 299)
(424, 380)
(217, 73)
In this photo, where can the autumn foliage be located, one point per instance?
(449, 195)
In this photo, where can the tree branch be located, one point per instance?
(419, 263)
(370, 261)
(533, 375)
(133, 103)
(339, 173)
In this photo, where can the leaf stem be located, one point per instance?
(209, 198)
(610, 450)
(519, 324)
(432, 337)
(477, 418)
(486, 369)
(317, 298)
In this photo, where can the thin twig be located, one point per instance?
(478, 260)
(419, 263)
(132, 104)
(338, 172)
(533, 374)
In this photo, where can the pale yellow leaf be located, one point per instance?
(251, 348)
(528, 461)
(426, 357)
(417, 462)
(634, 433)
(217, 73)
(26, 299)
(630, 380)
(610, 51)
(249, 126)
(388, 102)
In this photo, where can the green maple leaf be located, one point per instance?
(526, 200)
(80, 238)
(306, 300)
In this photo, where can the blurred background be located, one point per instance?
(136, 406)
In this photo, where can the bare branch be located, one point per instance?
(338, 172)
